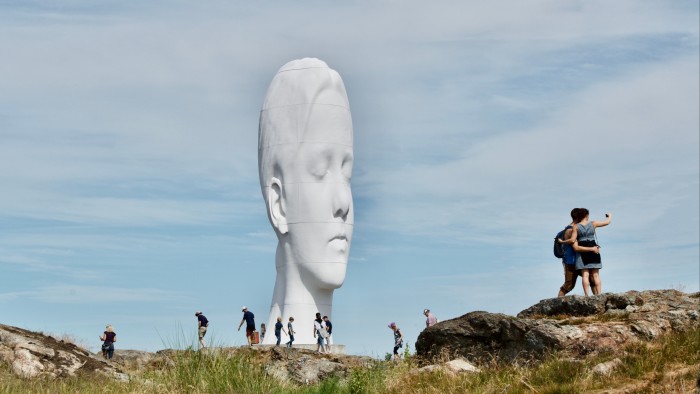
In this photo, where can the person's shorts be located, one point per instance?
(249, 331)
(319, 340)
(202, 332)
(570, 276)
(588, 260)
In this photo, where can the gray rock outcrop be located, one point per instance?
(308, 367)
(32, 354)
(575, 325)
(133, 359)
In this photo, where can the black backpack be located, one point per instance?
(558, 247)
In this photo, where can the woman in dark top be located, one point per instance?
(109, 337)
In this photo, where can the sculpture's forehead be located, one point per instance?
(309, 85)
(306, 123)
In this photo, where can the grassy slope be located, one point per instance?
(670, 364)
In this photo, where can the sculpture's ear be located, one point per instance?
(277, 207)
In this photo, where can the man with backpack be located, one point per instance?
(566, 252)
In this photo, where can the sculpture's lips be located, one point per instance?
(341, 237)
(340, 241)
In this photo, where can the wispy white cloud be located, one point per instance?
(81, 294)
(632, 139)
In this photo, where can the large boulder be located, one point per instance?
(575, 325)
(31, 354)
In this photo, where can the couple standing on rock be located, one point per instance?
(582, 252)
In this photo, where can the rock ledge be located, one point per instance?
(576, 325)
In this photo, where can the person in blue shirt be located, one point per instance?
(202, 324)
(569, 259)
(329, 330)
(249, 320)
(279, 328)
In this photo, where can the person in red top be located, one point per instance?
(109, 337)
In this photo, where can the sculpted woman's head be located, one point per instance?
(305, 162)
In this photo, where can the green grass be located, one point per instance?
(242, 371)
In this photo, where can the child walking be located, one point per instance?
(290, 330)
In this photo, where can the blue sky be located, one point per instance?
(128, 157)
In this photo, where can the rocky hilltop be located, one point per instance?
(476, 352)
(31, 354)
(35, 355)
(575, 325)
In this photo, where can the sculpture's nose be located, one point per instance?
(342, 199)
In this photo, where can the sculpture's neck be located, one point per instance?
(293, 297)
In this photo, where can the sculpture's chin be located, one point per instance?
(329, 276)
(333, 283)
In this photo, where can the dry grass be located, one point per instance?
(669, 364)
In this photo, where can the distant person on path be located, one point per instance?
(319, 330)
(263, 330)
(430, 319)
(589, 262)
(290, 330)
(329, 331)
(279, 328)
(398, 340)
(202, 324)
(249, 319)
(109, 337)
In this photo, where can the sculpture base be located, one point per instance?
(336, 349)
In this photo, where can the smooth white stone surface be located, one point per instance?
(305, 160)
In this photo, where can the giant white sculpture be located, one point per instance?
(305, 162)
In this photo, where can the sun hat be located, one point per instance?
(392, 325)
(426, 310)
(244, 308)
(197, 313)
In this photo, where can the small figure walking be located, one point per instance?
(279, 328)
(263, 330)
(398, 340)
(430, 319)
(290, 330)
(202, 324)
(249, 319)
(329, 332)
(109, 337)
(319, 329)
